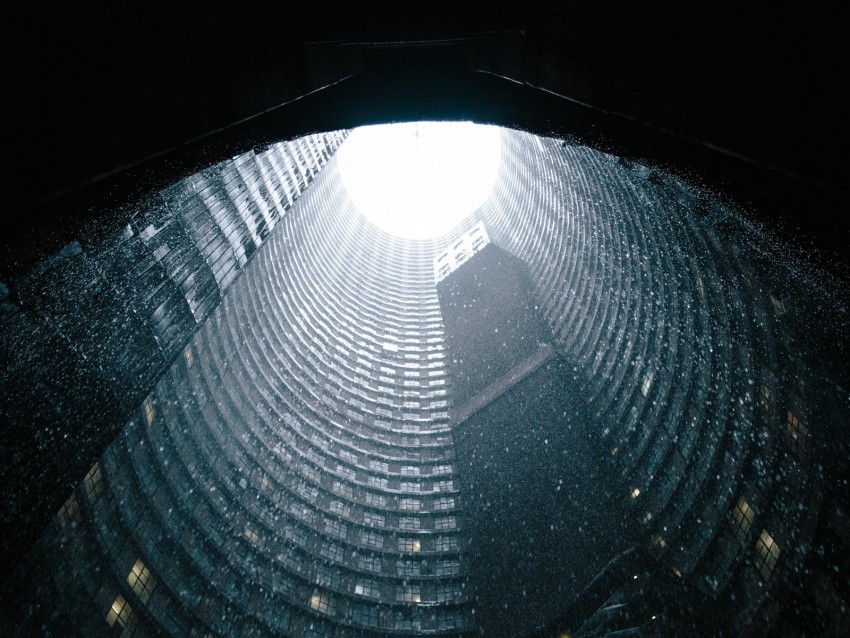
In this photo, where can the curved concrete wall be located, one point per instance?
(293, 470)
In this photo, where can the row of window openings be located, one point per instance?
(426, 319)
(344, 347)
(321, 601)
(766, 548)
(796, 432)
(347, 490)
(150, 414)
(406, 523)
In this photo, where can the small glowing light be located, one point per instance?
(654, 617)
(634, 577)
(635, 492)
(419, 180)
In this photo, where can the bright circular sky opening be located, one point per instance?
(419, 180)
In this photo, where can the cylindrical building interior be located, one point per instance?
(292, 471)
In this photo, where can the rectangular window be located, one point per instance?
(449, 619)
(122, 614)
(336, 528)
(252, 536)
(447, 568)
(444, 503)
(408, 593)
(373, 520)
(380, 466)
(409, 505)
(407, 619)
(376, 481)
(343, 489)
(410, 470)
(369, 564)
(409, 523)
(296, 534)
(409, 545)
(69, 514)
(795, 435)
(150, 412)
(365, 614)
(371, 539)
(312, 473)
(367, 587)
(331, 552)
(445, 522)
(346, 472)
(343, 509)
(647, 383)
(742, 518)
(767, 554)
(141, 581)
(407, 486)
(321, 602)
(328, 576)
(447, 592)
(408, 568)
(446, 544)
(94, 482)
(376, 500)
(443, 486)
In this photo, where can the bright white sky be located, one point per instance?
(419, 180)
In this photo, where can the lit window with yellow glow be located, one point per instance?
(767, 554)
(796, 434)
(121, 614)
(69, 514)
(188, 356)
(141, 581)
(658, 542)
(150, 412)
(321, 602)
(409, 545)
(635, 493)
(252, 536)
(742, 518)
(94, 482)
